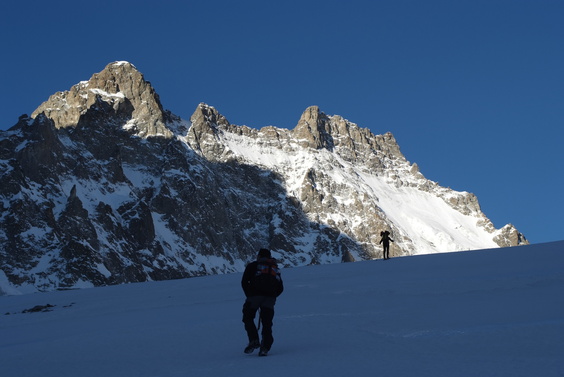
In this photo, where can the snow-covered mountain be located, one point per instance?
(479, 313)
(101, 186)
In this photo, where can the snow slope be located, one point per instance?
(477, 313)
(430, 224)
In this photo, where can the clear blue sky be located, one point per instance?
(472, 90)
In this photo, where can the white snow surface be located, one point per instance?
(496, 312)
(432, 225)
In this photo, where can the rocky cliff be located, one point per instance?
(102, 186)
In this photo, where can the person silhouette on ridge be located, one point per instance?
(386, 243)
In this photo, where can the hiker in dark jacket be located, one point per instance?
(262, 284)
(386, 243)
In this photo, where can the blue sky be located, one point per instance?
(473, 91)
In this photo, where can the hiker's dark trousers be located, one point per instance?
(386, 250)
(266, 306)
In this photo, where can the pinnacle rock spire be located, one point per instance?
(313, 129)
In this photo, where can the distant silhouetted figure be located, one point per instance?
(386, 242)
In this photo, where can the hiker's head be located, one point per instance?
(264, 253)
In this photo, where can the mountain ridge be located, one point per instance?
(101, 185)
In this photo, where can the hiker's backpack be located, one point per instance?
(267, 280)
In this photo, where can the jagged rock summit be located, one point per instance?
(121, 87)
(101, 186)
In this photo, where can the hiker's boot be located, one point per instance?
(253, 345)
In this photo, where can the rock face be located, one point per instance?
(102, 186)
(119, 91)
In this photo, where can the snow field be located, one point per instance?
(479, 313)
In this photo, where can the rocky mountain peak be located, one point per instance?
(207, 118)
(86, 202)
(205, 124)
(312, 129)
(119, 88)
(317, 130)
